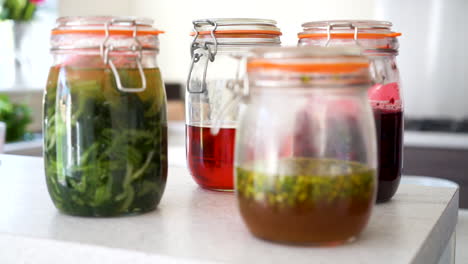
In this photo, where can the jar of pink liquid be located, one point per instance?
(380, 44)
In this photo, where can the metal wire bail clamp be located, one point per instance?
(197, 56)
(136, 48)
(350, 25)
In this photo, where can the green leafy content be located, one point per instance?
(105, 150)
(306, 182)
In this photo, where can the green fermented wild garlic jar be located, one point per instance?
(105, 127)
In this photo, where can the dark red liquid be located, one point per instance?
(211, 157)
(389, 125)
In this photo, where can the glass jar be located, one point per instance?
(216, 71)
(105, 127)
(306, 148)
(380, 44)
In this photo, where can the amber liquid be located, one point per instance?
(325, 225)
(211, 157)
(389, 125)
(311, 202)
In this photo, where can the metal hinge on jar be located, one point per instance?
(345, 25)
(204, 51)
(197, 51)
(136, 47)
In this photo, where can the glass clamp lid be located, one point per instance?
(309, 67)
(126, 31)
(375, 36)
(108, 34)
(97, 25)
(226, 26)
(348, 29)
(208, 34)
(233, 31)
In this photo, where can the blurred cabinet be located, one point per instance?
(446, 163)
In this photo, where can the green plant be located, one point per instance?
(18, 10)
(17, 117)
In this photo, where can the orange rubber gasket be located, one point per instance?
(269, 32)
(350, 35)
(303, 68)
(103, 32)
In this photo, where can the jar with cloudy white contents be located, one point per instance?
(216, 74)
(380, 44)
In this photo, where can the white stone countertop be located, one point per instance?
(193, 225)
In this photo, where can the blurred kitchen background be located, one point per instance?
(433, 63)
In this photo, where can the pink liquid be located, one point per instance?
(211, 157)
(389, 126)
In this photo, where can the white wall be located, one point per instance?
(433, 56)
(433, 60)
(95, 7)
(175, 17)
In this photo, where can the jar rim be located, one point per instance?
(308, 59)
(309, 66)
(240, 21)
(367, 24)
(348, 29)
(306, 52)
(93, 20)
(235, 26)
(102, 25)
